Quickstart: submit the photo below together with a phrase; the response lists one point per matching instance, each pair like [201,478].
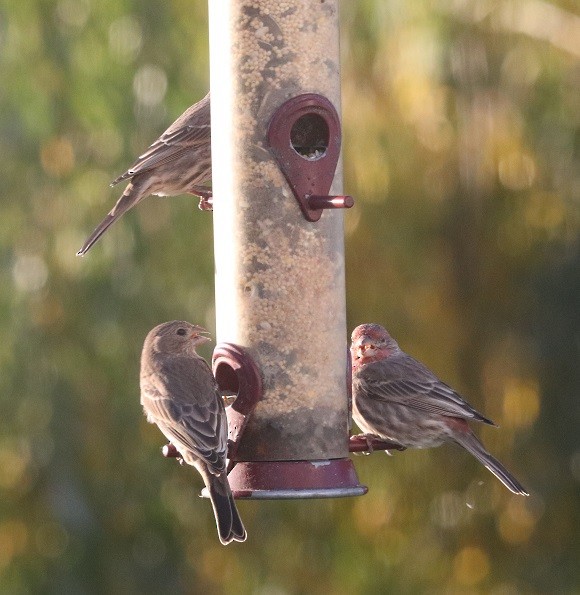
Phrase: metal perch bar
[358,443]
[364,443]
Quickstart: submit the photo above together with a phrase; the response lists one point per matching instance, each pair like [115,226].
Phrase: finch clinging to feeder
[181,396]
[178,162]
[396,397]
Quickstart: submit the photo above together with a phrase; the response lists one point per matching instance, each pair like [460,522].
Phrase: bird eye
[181,331]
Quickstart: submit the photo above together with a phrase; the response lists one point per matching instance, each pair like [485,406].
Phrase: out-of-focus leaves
[462,147]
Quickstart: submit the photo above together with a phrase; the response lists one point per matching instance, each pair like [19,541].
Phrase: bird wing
[182,398]
[406,381]
[184,135]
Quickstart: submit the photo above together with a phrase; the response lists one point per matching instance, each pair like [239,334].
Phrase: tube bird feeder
[279,246]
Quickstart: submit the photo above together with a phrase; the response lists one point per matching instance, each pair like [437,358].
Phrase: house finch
[178,162]
[180,395]
[395,397]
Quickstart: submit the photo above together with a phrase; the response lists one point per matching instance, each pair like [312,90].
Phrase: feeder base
[278,480]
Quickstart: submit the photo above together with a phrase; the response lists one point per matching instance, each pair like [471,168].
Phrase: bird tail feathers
[132,195]
[471,443]
[229,524]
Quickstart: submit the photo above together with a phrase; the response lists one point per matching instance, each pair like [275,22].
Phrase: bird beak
[364,345]
[198,335]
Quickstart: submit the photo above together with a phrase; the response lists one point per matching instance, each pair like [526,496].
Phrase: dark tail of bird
[229,524]
[471,443]
[132,195]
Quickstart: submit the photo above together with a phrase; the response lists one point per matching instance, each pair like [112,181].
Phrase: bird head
[371,342]
[177,337]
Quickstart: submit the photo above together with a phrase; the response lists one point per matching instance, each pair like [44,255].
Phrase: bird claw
[170,452]
[205,204]
[369,442]
[205,199]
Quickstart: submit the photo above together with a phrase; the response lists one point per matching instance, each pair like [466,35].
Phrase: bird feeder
[279,246]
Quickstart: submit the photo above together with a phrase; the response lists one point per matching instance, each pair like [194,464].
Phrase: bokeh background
[462,147]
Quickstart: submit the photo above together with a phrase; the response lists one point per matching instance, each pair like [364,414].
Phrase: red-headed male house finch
[178,162]
[395,397]
[181,396]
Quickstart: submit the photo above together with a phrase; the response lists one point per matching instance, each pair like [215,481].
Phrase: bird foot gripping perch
[205,199]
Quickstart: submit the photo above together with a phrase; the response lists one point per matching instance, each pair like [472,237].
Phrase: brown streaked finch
[178,162]
[179,394]
[395,397]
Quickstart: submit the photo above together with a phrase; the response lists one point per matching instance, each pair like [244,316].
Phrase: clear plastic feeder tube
[279,279]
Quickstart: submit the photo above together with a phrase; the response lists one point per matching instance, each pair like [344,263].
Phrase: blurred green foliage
[462,147]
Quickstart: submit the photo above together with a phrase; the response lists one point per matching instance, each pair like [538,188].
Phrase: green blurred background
[462,148]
